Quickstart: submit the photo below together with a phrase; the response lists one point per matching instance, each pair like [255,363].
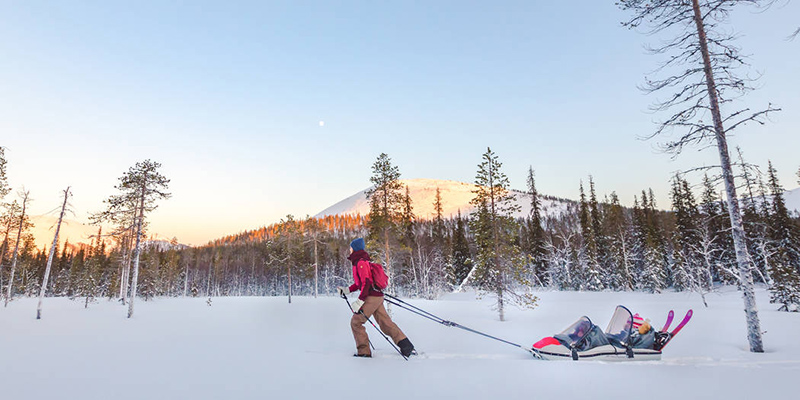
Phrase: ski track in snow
[261,348]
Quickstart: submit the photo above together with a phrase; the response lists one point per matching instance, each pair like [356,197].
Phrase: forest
[595,244]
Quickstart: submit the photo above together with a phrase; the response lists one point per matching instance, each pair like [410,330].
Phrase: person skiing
[369,303]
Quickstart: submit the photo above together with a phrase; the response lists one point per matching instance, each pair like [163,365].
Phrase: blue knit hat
[357,244]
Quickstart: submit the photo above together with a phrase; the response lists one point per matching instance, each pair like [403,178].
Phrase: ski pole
[351,310]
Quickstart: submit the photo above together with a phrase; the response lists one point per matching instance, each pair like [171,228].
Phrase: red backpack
[379,278]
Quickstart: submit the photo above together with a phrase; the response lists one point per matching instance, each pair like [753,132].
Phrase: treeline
[592,245]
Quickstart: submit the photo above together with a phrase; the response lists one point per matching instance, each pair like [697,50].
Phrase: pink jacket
[362,275]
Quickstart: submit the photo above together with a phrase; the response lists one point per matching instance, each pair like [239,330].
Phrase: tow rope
[416,310]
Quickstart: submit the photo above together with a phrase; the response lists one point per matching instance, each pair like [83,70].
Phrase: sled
[583,340]
[621,340]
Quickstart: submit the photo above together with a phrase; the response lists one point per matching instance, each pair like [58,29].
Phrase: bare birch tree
[706,60]
[53,249]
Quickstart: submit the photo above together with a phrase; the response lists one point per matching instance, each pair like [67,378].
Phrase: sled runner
[621,341]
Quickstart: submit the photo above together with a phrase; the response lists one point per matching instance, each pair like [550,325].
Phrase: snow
[455,197]
[261,348]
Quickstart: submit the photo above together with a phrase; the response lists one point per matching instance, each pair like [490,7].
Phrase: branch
[754,117]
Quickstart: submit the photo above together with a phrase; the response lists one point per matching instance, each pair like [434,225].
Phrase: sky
[229,96]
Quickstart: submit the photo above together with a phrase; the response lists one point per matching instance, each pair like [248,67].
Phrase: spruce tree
[599,239]
[386,202]
[597,224]
[499,267]
[785,263]
[687,261]
[407,219]
[438,229]
[590,267]
[535,241]
[651,257]
[580,273]
[620,246]
[754,217]
[460,259]
[443,269]
[405,257]
[718,251]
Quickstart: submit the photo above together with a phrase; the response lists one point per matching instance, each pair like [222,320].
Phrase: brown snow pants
[373,306]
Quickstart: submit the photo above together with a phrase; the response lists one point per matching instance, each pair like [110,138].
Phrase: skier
[369,303]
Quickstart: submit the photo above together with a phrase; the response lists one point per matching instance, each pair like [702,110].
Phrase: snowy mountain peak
[455,195]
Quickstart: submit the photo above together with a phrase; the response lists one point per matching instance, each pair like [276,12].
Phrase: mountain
[455,197]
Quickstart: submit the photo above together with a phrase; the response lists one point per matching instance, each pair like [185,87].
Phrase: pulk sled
[627,338]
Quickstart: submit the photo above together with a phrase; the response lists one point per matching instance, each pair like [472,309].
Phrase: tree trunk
[9,291]
[137,251]
[126,269]
[737,228]
[186,280]
[289,273]
[50,257]
[316,268]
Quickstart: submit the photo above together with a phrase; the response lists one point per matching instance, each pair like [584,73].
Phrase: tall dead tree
[53,248]
[23,224]
[139,188]
[707,62]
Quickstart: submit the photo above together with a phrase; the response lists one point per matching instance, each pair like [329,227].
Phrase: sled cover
[619,328]
[582,335]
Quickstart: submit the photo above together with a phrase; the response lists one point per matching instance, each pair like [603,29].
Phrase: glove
[343,291]
[357,305]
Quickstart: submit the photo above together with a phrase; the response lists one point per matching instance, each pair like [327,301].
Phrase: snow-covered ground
[264,348]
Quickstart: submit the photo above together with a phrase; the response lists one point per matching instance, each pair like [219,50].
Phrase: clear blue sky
[228,97]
